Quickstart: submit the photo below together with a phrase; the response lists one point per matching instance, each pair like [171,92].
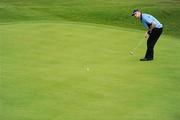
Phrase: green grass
[113,12]
[45,74]
[47,47]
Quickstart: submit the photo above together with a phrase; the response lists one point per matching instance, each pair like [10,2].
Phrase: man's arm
[153,25]
[150,23]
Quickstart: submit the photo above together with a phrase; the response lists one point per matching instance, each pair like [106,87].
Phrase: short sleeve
[148,19]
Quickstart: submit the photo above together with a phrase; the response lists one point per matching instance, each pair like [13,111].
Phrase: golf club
[135,48]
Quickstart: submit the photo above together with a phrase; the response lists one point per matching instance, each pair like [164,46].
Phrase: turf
[69,60]
[45,74]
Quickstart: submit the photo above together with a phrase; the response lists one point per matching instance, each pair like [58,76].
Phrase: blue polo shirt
[148,19]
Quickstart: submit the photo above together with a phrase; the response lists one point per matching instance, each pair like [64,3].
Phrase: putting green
[78,71]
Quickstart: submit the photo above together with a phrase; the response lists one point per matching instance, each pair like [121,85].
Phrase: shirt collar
[141,17]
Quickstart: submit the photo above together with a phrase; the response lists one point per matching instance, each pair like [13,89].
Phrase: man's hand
[146,35]
[153,25]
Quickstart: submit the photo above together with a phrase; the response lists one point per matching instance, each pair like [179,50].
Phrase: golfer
[154,30]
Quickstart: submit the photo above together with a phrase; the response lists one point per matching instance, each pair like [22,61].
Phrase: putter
[135,48]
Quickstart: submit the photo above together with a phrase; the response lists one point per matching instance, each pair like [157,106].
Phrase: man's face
[137,14]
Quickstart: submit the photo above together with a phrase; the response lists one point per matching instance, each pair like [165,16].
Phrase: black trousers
[154,36]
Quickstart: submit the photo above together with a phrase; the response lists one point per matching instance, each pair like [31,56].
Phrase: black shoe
[146,59]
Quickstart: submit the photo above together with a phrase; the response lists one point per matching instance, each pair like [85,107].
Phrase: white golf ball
[87,68]
[131,53]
